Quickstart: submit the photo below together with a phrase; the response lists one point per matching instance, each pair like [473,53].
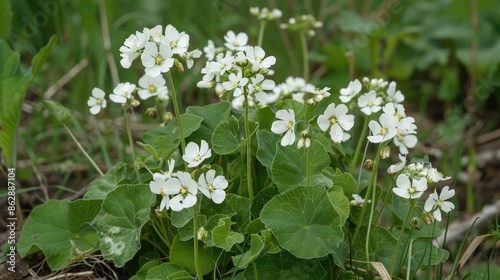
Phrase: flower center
[412,190]
[152,88]
[289,124]
[184,191]
[383,131]
[440,203]
[370,103]
[159,59]
[398,115]
[258,87]
[162,192]
[98,101]
[124,93]
[173,44]
[333,119]
[211,187]
[197,158]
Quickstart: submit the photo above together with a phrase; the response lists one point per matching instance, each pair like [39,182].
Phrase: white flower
[132,46]
[186,189]
[207,81]
[150,86]
[286,123]
[259,84]
[337,120]
[238,103]
[122,93]
[358,200]
[435,176]
[159,185]
[395,168]
[195,154]
[156,33]
[384,131]
[398,112]
[346,94]
[213,187]
[188,56]
[156,60]
[369,102]
[256,56]
[437,203]
[222,63]
[405,140]
[394,96]
[96,101]
[412,190]
[209,50]
[235,42]
[178,42]
[236,82]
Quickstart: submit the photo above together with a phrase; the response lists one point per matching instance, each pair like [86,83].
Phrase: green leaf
[161,142]
[229,135]
[340,202]
[54,225]
[290,164]
[182,254]
[58,111]
[267,147]
[223,237]
[119,174]
[382,245]
[345,181]
[212,116]
[14,84]
[40,58]
[304,221]
[190,123]
[5,18]
[168,271]
[256,246]
[261,199]
[284,266]
[124,212]
[143,272]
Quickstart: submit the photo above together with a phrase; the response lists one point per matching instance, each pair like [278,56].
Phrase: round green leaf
[182,254]
[167,271]
[304,221]
[124,212]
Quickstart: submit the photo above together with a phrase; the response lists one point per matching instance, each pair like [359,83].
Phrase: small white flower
[395,168]
[437,203]
[235,42]
[132,46]
[207,81]
[150,87]
[159,185]
[256,56]
[156,33]
[238,103]
[188,56]
[178,42]
[384,131]
[394,96]
[259,84]
[412,190]
[222,64]
[369,102]
[398,112]
[122,93]
[213,187]
[236,82]
[209,50]
[96,101]
[195,154]
[186,189]
[435,176]
[157,59]
[405,140]
[286,123]
[346,94]
[358,200]
[337,120]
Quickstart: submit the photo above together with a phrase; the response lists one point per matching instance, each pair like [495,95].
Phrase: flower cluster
[306,23]
[179,189]
[299,90]
[265,13]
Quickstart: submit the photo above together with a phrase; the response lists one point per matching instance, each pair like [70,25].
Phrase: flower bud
[179,66]
[151,112]
[385,152]
[415,223]
[167,117]
[427,217]
[368,164]
[202,233]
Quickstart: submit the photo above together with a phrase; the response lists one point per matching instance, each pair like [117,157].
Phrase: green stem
[305,55]
[255,273]
[160,110]
[195,238]
[83,150]
[408,269]
[308,164]
[360,144]
[373,186]
[155,245]
[261,32]
[249,150]
[102,144]
[131,143]
[177,114]
[368,192]
[386,199]
[398,244]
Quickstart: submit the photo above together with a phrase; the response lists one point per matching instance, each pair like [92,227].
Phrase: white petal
[218,196]
[446,193]
[401,192]
[94,110]
[288,138]
[403,182]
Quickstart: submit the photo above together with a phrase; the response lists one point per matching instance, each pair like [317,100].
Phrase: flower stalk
[176,111]
[248,149]
[83,151]
[131,141]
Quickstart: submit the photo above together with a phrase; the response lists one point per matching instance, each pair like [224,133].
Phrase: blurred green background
[443,54]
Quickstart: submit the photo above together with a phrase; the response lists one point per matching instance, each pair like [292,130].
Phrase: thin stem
[386,199]
[155,245]
[195,238]
[398,244]
[373,185]
[83,151]
[131,143]
[408,269]
[249,150]
[107,42]
[102,144]
[261,32]
[176,111]
[308,164]
[360,144]
[305,55]
[255,273]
